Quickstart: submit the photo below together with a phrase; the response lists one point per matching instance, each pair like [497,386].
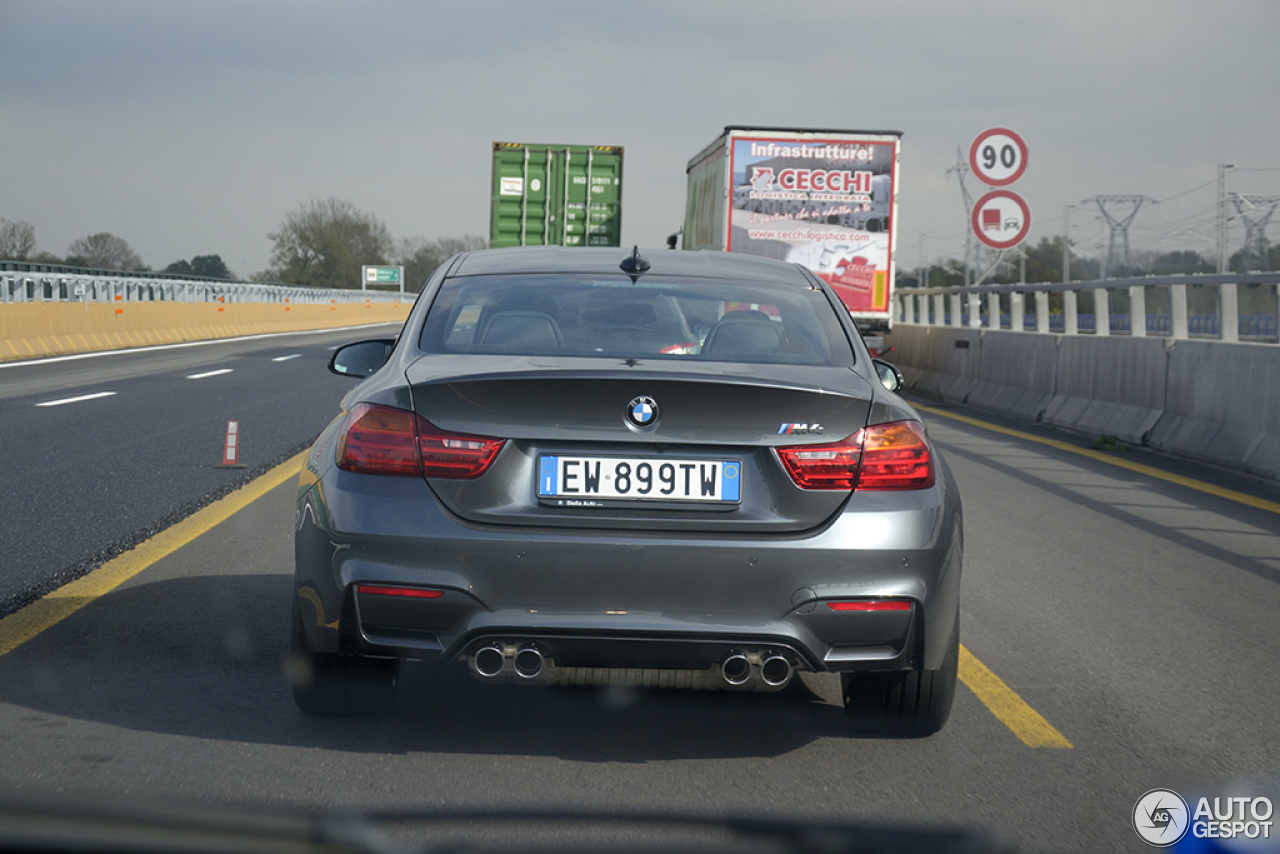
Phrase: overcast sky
[192,128]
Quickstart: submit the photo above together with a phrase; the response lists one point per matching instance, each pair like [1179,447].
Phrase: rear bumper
[593,598]
[645,642]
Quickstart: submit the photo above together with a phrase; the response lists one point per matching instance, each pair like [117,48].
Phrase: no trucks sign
[1001,219]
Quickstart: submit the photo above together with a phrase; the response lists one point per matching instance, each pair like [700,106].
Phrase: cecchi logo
[1161,817]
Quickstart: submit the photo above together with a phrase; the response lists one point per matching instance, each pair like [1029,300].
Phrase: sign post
[372,275]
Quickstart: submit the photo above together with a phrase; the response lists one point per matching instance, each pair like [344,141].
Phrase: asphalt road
[88,477]
[1137,616]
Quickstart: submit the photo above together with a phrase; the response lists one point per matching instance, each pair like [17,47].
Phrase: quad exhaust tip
[736,669]
[775,671]
[751,669]
[768,668]
[528,662]
[489,661]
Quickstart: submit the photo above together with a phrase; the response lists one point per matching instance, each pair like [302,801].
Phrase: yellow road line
[1011,710]
[1190,483]
[46,612]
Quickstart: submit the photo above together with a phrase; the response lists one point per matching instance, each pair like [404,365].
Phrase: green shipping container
[562,195]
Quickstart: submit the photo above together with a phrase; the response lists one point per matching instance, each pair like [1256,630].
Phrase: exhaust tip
[775,671]
[736,669]
[489,661]
[528,662]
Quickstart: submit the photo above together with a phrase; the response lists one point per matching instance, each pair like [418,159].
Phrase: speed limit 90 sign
[998,156]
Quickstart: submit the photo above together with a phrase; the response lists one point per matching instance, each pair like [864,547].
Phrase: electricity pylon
[1120,225]
[1255,212]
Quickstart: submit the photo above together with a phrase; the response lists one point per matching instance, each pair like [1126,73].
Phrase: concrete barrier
[1207,400]
[935,363]
[1223,405]
[1109,386]
[29,330]
[1016,373]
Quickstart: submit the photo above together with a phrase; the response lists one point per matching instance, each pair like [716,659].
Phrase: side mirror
[890,377]
[361,358]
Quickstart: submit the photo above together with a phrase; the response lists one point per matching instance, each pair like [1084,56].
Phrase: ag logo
[1160,817]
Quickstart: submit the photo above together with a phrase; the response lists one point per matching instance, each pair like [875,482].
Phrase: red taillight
[453,455]
[832,466]
[686,348]
[871,605]
[408,592]
[383,440]
[378,440]
[885,456]
[895,456]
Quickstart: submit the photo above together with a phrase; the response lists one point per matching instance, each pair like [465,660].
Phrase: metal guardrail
[71,269]
[963,306]
[24,286]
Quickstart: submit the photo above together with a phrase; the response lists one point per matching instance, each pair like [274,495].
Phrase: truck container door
[556,195]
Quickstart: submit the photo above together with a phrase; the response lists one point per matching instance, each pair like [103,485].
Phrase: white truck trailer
[826,199]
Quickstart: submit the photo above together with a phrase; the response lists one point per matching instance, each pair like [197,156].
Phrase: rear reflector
[384,440]
[408,592]
[871,605]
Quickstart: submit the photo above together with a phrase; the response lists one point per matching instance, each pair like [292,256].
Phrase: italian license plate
[590,479]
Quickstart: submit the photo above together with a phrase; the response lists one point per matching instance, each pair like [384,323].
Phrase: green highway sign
[373,275]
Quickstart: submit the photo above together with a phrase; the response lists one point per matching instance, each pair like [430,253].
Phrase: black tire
[903,703]
[328,685]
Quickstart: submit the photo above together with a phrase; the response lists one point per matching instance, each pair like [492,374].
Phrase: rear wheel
[329,685]
[906,703]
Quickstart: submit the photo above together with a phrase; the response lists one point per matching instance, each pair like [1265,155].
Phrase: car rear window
[654,318]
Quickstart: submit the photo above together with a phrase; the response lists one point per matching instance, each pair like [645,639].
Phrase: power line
[1188,192]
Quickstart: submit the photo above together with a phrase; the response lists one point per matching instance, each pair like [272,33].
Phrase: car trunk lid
[705,416]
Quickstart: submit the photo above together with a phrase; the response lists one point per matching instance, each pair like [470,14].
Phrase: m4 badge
[799,429]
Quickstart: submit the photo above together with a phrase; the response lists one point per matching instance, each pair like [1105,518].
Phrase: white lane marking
[77,356]
[210,374]
[77,399]
[286,358]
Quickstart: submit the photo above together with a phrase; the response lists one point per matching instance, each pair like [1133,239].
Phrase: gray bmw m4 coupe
[582,466]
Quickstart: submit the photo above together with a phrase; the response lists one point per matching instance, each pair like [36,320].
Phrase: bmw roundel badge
[642,412]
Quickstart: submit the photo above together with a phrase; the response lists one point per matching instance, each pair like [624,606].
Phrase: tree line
[101,251]
[322,244]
